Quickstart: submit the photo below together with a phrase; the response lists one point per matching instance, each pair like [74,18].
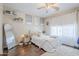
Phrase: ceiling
[31,8]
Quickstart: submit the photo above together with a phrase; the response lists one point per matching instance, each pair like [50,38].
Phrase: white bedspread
[53,46]
[63,51]
[47,43]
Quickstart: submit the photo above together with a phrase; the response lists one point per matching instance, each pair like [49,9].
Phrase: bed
[53,47]
[48,43]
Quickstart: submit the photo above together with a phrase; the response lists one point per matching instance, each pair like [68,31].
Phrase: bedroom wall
[64,19]
[1,15]
[78,22]
[20,28]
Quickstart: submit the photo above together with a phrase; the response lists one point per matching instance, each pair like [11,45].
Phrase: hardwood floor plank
[29,50]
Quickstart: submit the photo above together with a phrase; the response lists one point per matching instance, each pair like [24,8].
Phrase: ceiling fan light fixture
[50,6]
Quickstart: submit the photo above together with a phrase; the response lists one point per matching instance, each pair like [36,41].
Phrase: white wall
[1,10]
[35,26]
[78,22]
[64,19]
[20,28]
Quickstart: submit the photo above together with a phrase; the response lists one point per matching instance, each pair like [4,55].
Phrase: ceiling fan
[49,5]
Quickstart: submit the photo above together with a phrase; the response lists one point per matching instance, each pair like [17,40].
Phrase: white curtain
[63,31]
[64,26]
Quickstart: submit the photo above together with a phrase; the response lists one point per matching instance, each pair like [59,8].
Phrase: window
[54,31]
[68,30]
[59,30]
[41,21]
[64,30]
[28,19]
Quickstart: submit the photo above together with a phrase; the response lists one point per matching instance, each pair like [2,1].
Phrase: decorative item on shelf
[18,19]
[9,12]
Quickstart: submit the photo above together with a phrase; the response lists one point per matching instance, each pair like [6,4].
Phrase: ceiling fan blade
[57,8]
[51,4]
[41,7]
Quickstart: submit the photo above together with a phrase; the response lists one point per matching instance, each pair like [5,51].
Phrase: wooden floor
[30,50]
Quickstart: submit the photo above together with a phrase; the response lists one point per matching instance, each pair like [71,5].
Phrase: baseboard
[71,46]
[13,47]
[34,44]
